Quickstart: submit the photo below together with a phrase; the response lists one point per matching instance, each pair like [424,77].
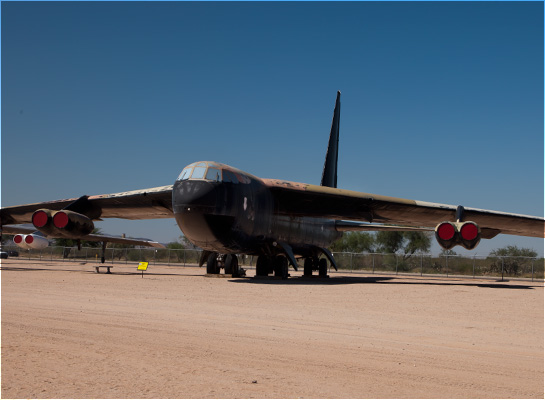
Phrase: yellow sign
[143,266]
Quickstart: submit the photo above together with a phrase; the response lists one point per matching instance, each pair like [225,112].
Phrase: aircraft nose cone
[200,196]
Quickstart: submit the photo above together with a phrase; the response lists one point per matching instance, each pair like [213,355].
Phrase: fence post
[533,269]
[446,263]
[421,264]
[373,257]
[474,266]
[395,255]
[502,269]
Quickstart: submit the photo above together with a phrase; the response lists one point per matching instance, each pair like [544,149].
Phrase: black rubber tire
[231,265]
[262,265]
[212,264]
[308,267]
[281,266]
[322,267]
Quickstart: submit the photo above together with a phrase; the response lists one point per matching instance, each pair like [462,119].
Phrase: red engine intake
[19,240]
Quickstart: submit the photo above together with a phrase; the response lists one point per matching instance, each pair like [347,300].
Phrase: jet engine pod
[470,234]
[450,234]
[42,220]
[36,242]
[30,241]
[446,235]
[64,223]
[71,224]
[19,240]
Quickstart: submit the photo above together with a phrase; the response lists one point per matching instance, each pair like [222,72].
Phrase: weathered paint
[242,218]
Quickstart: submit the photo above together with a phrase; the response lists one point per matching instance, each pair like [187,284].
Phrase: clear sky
[441,102]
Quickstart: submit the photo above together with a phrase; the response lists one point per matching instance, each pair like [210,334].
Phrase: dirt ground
[68,332]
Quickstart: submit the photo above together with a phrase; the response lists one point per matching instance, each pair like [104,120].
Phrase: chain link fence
[426,264]
[422,264]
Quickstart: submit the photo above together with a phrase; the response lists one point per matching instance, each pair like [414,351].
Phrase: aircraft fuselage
[241,217]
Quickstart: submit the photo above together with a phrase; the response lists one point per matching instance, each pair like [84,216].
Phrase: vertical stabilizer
[329,175]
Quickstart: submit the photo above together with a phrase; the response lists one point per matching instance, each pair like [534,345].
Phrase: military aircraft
[29,238]
[227,212]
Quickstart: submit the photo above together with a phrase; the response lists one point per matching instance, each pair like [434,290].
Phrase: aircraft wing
[138,204]
[300,199]
[26,230]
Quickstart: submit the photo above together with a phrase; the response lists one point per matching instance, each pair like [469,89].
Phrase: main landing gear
[229,262]
[266,265]
[315,264]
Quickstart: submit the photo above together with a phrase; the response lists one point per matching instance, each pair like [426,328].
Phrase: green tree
[6,239]
[512,261]
[513,251]
[175,246]
[408,242]
[354,242]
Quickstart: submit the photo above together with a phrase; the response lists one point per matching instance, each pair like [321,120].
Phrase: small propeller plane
[228,212]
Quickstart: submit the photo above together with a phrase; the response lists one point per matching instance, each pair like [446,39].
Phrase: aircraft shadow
[373,280]
[80,271]
[299,280]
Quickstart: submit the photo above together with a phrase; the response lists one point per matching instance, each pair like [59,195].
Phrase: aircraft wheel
[322,267]
[308,266]
[231,265]
[212,264]
[262,265]
[281,266]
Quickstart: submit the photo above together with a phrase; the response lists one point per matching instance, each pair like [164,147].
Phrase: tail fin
[329,175]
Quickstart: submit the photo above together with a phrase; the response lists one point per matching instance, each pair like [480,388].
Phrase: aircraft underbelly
[241,218]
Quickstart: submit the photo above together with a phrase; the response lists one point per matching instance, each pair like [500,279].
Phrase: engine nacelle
[43,221]
[450,234]
[19,240]
[66,224]
[31,241]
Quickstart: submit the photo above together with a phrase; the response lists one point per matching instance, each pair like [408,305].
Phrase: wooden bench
[104,266]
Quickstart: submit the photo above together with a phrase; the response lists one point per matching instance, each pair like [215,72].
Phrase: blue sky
[441,102]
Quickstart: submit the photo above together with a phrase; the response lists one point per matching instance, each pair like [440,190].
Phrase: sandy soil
[68,332]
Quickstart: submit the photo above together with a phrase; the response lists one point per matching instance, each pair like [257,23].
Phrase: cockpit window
[198,172]
[185,173]
[213,174]
[228,176]
[211,171]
